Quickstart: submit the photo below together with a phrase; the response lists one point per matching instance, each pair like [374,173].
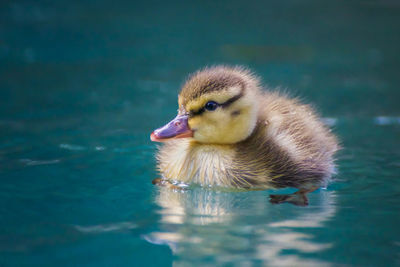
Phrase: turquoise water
[83,83]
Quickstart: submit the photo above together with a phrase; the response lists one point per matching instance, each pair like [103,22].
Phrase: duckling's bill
[177,128]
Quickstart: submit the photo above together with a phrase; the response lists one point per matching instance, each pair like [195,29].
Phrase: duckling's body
[245,138]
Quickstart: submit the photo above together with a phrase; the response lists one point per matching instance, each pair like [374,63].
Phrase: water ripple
[383,120]
[106,228]
[29,162]
[72,147]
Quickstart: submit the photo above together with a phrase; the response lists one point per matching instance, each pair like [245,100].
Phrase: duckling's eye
[211,105]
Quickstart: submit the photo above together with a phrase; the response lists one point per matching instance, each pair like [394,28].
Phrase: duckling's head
[217,105]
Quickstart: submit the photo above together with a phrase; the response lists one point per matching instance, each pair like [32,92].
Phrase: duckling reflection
[231,227]
[199,206]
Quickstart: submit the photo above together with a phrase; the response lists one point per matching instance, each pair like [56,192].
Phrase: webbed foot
[166,183]
[298,199]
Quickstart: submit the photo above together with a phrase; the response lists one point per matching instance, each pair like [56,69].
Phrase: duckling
[230,133]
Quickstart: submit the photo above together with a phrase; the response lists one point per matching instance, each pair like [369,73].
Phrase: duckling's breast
[189,162]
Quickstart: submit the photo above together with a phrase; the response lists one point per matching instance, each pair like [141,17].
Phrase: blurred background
[83,83]
[67,58]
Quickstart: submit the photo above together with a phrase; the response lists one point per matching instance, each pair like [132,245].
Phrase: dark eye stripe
[227,103]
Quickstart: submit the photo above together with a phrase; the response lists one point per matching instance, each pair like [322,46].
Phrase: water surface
[82,84]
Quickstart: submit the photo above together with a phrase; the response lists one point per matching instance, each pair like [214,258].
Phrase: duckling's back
[289,147]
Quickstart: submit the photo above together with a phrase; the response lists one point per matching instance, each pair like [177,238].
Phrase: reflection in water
[225,227]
